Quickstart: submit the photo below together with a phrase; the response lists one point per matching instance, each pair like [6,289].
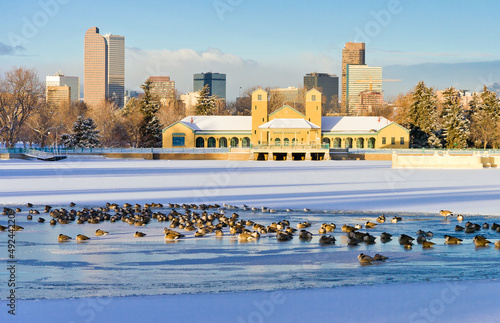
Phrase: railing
[97,151]
[292,147]
[421,151]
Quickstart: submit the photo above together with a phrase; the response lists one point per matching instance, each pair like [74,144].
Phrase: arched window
[222,142]
[211,142]
[245,143]
[371,143]
[286,142]
[234,142]
[294,142]
[360,143]
[348,143]
[277,142]
[326,141]
[337,143]
[200,142]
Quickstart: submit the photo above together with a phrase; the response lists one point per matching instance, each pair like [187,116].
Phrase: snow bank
[473,301]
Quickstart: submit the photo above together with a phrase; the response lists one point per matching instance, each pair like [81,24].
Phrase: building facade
[352,54]
[58,95]
[285,129]
[104,71]
[190,100]
[216,83]
[327,84]
[162,87]
[361,78]
[59,79]
[289,94]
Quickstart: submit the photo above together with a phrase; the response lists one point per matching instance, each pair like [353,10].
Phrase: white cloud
[181,64]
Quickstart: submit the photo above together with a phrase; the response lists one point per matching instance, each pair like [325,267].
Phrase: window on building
[384,141]
[178,141]
[313,97]
[262,119]
[393,140]
[259,97]
[402,140]
[255,107]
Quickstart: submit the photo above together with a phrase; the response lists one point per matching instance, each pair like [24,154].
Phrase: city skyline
[398,35]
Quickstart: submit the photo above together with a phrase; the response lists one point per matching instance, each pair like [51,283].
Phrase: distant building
[58,94]
[216,83]
[190,100]
[104,73]
[361,78]
[129,95]
[466,97]
[290,94]
[327,84]
[352,54]
[59,79]
[369,100]
[162,87]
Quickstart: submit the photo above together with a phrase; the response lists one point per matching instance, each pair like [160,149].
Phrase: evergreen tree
[84,134]
[207,104]
[455,124]
[150,127]
[484,115]
[423,119]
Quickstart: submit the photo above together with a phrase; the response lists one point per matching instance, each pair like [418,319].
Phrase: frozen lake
[351,192]
[119,264]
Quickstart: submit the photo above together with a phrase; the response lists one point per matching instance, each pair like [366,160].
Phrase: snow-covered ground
[334,185]
[331,185]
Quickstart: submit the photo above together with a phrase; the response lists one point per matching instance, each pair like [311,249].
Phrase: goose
[62,238]
[100,232]
[379,257]
[480,241]
[452,240]
[81,237]
[327,239]
[365,259]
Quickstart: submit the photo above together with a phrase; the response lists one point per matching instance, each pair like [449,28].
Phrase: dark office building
[216,83]
[327,84]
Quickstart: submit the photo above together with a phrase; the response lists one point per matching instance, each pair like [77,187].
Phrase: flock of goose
[204,219]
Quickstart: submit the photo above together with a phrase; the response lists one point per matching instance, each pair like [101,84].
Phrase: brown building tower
[352,54]
[95,72]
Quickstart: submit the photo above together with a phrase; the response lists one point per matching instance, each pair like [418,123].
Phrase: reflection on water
[120,265]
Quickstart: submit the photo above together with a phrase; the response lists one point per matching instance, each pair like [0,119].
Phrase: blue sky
[267,43]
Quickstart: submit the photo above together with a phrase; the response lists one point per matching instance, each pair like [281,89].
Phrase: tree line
[447,122]
[26,116]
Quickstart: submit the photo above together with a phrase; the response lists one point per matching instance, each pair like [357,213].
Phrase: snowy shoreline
[416,302]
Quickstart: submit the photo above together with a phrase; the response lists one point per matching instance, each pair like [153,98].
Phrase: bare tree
[20,94]
[42,121]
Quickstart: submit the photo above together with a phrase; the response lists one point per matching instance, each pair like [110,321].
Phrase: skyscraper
[352,54]
[327,84]
[215,81]
[104,75]
[362,81]
[116,68]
